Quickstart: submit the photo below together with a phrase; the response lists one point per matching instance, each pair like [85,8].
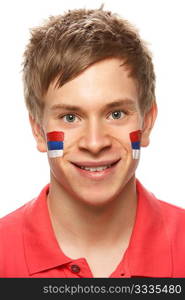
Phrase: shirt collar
[148,253]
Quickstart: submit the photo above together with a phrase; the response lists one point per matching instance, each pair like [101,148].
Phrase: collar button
[75,268]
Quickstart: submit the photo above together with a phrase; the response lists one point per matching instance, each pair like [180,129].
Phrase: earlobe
[38,134]
[148,123]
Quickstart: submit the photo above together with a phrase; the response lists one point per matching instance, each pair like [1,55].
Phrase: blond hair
[65,45]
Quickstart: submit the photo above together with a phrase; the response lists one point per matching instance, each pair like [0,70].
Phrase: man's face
[96,111]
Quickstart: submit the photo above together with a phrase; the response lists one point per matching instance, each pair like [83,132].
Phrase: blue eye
[117,114]
[69,118]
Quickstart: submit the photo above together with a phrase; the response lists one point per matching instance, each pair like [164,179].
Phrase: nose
[95,138]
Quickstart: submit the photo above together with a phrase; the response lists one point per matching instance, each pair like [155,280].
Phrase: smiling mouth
[96,169]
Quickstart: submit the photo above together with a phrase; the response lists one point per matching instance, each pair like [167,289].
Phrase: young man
[90,92]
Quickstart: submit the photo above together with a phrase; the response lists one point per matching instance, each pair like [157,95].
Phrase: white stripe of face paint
[55,153]
[135,153]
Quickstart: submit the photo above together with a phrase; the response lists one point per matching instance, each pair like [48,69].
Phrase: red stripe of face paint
[135,136]
[55,136]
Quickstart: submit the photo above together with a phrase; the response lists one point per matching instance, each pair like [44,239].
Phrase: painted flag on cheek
[55,143]
[135,138]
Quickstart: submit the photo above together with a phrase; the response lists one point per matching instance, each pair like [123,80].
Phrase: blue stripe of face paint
[135,145]
[55,145]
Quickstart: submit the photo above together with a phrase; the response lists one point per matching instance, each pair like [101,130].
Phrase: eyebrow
[130,104]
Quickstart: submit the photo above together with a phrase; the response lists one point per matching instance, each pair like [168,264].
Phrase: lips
[96,164]
[92,173]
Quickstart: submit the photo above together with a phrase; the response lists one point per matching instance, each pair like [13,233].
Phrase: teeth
[95,169]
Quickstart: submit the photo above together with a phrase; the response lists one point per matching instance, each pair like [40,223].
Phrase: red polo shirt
[28,247]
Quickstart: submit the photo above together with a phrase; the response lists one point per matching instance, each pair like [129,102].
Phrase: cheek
[55,144]
[135,139]
[130,142]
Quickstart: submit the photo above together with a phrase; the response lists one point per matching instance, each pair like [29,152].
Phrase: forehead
[100,84]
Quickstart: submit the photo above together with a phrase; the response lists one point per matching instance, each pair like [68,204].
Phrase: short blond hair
[65,45]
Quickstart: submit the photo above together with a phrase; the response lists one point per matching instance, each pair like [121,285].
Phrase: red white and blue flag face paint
[55,143]
[135,138]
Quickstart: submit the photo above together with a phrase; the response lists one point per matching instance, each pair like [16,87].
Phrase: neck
[90,227]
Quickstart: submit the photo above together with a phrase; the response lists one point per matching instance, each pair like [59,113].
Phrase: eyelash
[73,114]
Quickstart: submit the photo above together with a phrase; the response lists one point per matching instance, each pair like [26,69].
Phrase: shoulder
[174,223]
[16,217]
[12,221]
[173,214]
[169,219]
[170,213]
[12,242]
[173,217]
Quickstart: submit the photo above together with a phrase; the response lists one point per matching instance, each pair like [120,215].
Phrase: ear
[38,134]
[148,123]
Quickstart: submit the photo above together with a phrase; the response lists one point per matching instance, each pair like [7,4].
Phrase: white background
[24,171]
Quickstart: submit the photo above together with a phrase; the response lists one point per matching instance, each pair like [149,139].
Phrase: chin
[96,197]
